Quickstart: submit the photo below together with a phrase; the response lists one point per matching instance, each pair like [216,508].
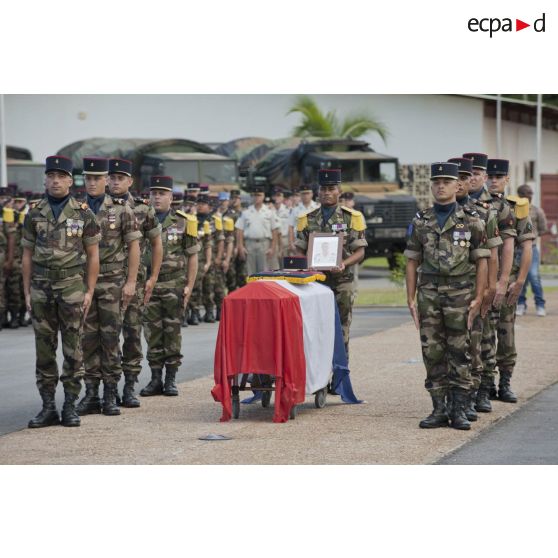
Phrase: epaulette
[21,217]
[496,195]
[357,219]
[141,200]
[228,224]
[520,205]
[470,211]
[8,215]
[206,227]
[119,201]
[302,221]
[191,223]
[480,203]
[218,222]
[84,206]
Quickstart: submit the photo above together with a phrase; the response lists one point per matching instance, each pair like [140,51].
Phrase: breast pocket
[42,229]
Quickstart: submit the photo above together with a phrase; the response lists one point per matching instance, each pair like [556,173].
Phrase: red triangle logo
[519,25]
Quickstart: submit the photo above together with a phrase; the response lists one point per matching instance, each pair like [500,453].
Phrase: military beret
[161,183]
[479,159]
[465,165]
[329,177]
[444,170]
[120,166]
[95,165]
[498,167]
[59,163]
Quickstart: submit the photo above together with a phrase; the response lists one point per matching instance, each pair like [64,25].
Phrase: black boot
[110,407]
[14,320]
[48,415]
[155,386]
[492,393]
[4,320]
[504,390]
[185,319]
[470,411]
[22,321]
[91,403]
[439,416]
[458,418]
[129,398]
[170,381]
[483,404]
[209,318]
[194,317]
[218,315]
[69,413]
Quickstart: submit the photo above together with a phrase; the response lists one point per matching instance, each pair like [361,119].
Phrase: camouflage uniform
[162,314]
[7,228]
[447,259]
[14,281]
[101,340]
[150,228]
[57,288]
[236,276]
[352,226]
[213,288]
[205,237]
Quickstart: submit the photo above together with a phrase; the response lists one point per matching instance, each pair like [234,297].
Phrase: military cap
[444,170]
[120,166]
[204,199]
[29,194]
[257,190]
[224,196]
[235,193]
[329,177]
[193,187]
[177,198]
[287,193]
[465,165]
[347,196]
[479,159]
[95,165]
[161,183]
[190,198]
[204,188]
[295,262]
[306,188]
[498,167]
[59,163]
[20,197]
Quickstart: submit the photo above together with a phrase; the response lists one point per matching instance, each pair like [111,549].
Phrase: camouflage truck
[371,176]
[24,174]
[184,160]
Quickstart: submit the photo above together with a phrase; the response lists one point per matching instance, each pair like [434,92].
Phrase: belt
[105,268]
[444,279]
[57,274]
[164,277]
[258,239]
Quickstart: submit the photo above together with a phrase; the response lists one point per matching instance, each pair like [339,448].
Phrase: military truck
[184,160]
[371,176]
[24,174]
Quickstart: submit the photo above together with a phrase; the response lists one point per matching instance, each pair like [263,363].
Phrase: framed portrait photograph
[325,251]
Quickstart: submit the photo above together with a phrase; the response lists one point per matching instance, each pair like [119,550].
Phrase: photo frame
[325,251]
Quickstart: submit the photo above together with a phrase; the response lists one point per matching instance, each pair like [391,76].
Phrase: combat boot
[22,321]
[194,317]
[4,320]
[110,407]
[470,410]
[170,381]
[48,415]
[209,318]
[155,386]
[91,403]
[492,393]
[14,320]
[218,315]
[439,416]
[483,404]
[458,418]
[504,390]
[129,398]
[69,413]
[185,318]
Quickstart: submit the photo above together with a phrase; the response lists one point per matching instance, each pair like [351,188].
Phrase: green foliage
[397,274]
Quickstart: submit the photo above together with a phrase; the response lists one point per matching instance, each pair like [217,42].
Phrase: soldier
[498,174]
[120,182]
[447,242]
[257,232]
[493,241]
[7,248]
[60,246]
[350,224]
[236,275]
[224,267]
[119,253]
[305,205]
[162,315]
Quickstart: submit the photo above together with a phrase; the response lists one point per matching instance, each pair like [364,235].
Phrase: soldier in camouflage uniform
[488,217]
[236,273]
[7,248]
[162,315]
[448,242]
[116,286]
[120,182]
[60,246]
[213,289]
[498,174]
[334,218]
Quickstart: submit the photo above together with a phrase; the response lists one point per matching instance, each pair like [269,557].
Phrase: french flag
[288,331]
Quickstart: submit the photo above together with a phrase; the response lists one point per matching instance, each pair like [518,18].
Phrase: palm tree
[315,123]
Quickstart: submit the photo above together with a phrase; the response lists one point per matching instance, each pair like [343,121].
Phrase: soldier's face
[258,198]
[236,202]
[58,183]
[161,200]
[497,184]
[119,184]
[203,208]
[444,189]
[224,205]
[306,197]
[463,185]
[478,180]
[329,195]
[96,184]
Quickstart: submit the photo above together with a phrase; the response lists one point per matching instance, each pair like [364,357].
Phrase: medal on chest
[111,218]
[339,227]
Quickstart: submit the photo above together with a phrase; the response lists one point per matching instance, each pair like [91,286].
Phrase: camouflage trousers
[344,297]
[101,338]
[476,348]
[236,275]
[2,287]
[444,336]
[161,326]
[220,287]
[132,353]
[488,348]
[506,354]
[196,300]
[208,288]
[15,301]
[57,306]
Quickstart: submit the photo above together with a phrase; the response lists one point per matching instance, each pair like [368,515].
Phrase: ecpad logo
[494,24]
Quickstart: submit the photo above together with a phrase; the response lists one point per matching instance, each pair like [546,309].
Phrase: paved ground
[387,372]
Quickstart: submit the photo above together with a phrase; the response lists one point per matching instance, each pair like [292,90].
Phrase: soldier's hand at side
[499,296]
[414,314]
[86,303]
[205,267]
[28,302]
[242,253]
[149,285]
[225,266]
[269,252]
[487,301]
[514,290]
[338,269]
[474,309]
[186,294]
[128,293]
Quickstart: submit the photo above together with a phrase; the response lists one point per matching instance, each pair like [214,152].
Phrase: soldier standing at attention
[229,236]
[305,205]
[445,244]
[236,275]
[60,246]
[506,355]
[163,312]
[120,182]
[7,248]
[17,301]
[334,218]
[119,253]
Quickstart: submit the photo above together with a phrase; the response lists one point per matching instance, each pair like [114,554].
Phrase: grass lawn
[376,262]
[549,269]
